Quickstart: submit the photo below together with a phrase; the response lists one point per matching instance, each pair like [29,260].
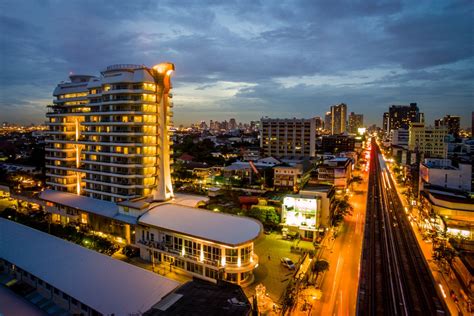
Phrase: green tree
[341,208]
[319,266]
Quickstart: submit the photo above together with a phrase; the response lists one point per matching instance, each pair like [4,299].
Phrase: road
[395,277]
[340,283]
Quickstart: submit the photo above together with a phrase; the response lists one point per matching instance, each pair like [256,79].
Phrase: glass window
[231,255]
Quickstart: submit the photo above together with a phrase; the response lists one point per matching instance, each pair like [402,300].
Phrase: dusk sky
[248,59]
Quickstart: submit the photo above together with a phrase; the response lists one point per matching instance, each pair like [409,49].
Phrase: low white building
[198,242]
[76,279]
[441,172]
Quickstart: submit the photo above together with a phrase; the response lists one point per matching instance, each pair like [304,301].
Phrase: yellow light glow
[223,261]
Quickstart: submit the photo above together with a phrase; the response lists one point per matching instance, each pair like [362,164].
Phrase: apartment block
[338,118]
[109,135]
[288,137]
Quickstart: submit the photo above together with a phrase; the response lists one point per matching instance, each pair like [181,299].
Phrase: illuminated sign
[301,212]
[361,130]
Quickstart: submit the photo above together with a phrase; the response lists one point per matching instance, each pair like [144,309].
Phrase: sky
[248,59]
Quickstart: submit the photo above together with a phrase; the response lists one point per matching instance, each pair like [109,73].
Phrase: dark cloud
[366,53]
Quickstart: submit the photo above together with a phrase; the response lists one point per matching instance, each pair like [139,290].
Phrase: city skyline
[257,59]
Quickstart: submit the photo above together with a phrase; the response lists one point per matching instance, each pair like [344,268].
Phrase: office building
[355,122]
[109,135]
[452,124]
[338,118]
[428,141]
[400,116]
[399,137]
[288,137]
[319,123]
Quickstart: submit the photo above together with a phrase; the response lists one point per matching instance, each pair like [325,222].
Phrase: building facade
[337,172]
[338,118]
[428,141]
[356,121]
[109,135]
[400,116]
[441,173]
[337,143]
[452,124]
[206,245]
[288,137]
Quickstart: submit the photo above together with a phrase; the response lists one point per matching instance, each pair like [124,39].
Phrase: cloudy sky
[248,59]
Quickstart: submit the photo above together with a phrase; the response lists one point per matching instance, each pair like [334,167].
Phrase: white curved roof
[221,228]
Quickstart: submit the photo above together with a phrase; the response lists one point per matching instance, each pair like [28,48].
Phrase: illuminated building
[207,244]
[338,118]
[442,173]
[288,137]
[355,122]
[400,116]
[451,122]
[109,135]
[327,121]
[308,212]
[429,141]
[337,143]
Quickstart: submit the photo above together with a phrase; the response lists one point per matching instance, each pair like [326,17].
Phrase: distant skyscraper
[400,116]
[338,118]
[288,137]
[452,123]
[232,123]
[355,121]
[109,135]
[327,121]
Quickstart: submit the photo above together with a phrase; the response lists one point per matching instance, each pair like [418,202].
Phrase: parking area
[270,272]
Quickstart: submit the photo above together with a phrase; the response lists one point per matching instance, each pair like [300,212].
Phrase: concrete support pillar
[127,234]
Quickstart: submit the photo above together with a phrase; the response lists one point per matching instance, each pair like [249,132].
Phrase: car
[286,262]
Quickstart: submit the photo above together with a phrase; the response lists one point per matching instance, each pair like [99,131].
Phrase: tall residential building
[355,121]
[429,141]
[452,123]
[400,116]
[109,135]
[288,137]
[327,121]
[338,118]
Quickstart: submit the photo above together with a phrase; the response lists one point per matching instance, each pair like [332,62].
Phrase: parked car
[286,262]
[130,251]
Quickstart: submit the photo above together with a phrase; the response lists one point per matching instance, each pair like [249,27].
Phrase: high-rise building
[109,135]
[355,121]
[452,123]
[288,137]
[386,119]
[400,116]
[338,118]
[327,121]
[319,122]
[232,123]
[428,141]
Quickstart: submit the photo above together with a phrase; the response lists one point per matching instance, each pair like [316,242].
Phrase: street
[340,283]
